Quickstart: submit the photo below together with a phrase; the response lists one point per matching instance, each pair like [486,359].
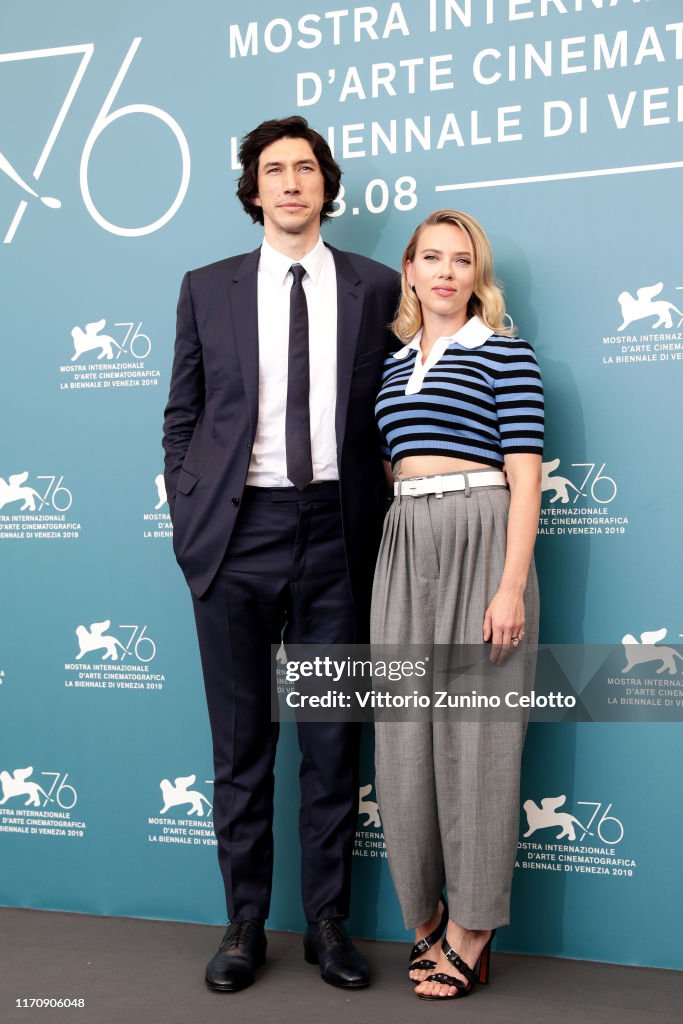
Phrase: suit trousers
[284,576]
[448,789]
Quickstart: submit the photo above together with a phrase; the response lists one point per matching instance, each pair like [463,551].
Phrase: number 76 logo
[106,117]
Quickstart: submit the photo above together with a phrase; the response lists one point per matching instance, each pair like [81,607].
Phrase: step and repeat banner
[558,124]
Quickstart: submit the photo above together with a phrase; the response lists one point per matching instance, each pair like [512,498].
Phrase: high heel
[478,975]
[485,962]
[425,944]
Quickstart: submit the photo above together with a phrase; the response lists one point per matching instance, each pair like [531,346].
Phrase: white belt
[440,485]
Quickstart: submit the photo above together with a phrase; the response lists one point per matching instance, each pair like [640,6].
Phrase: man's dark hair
[255,142]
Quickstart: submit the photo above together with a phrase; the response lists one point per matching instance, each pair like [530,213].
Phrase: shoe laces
[238,933]
[332,931]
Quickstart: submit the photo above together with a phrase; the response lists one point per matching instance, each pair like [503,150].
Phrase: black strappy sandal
[480,974]
[425,944]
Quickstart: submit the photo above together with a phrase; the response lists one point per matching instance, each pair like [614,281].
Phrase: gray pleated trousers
[448,791]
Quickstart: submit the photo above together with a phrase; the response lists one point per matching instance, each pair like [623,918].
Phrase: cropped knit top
[478,397]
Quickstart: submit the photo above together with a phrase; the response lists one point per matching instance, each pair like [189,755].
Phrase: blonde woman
[459,403]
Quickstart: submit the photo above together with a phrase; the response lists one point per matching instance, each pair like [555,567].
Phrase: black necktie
[297,422]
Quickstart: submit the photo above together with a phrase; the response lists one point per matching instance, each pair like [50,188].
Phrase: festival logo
[113,658]
[646,652]
[646,306]
[35,508]
[548,816]
[191,822]
[643,677]
[40,805]
[178,793]
[607,828]
[94,638]
[15,489]
[369,837]
[581,840]
[90,339]
[638,679]
[650,326]
[19,784]
[156,525]
[578,500]
[41,62]
[102,358]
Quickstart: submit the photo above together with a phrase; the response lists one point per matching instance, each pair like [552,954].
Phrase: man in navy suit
[275,487]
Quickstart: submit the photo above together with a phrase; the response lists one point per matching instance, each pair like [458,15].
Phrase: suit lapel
[244,311]
[350,298]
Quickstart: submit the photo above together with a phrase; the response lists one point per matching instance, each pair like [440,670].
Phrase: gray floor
[131,971]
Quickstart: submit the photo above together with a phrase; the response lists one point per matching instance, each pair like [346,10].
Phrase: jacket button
[235,501]
[249,446]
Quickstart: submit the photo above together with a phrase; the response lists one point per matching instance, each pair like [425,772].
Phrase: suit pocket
[186,481]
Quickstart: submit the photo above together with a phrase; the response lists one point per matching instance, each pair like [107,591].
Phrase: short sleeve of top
[478,403]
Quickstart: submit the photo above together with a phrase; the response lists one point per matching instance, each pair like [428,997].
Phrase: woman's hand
[504,623]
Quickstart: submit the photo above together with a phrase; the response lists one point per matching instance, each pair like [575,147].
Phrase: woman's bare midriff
[431,465]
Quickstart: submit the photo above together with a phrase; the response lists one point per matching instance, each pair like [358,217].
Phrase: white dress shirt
[268,465]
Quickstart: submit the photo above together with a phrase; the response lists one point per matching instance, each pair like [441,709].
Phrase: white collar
[279,265]
[473,334]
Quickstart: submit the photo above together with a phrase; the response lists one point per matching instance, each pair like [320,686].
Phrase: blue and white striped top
[478,396]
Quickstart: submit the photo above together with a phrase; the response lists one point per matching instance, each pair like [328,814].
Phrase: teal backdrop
[558,124]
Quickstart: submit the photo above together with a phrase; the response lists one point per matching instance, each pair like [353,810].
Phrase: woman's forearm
[524,477]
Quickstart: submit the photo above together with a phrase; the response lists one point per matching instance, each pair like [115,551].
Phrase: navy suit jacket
[212,411]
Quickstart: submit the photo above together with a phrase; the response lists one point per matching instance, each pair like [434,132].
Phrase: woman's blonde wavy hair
[487,300]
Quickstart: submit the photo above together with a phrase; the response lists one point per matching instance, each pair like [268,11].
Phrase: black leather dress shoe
[242,950]
[328,943]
